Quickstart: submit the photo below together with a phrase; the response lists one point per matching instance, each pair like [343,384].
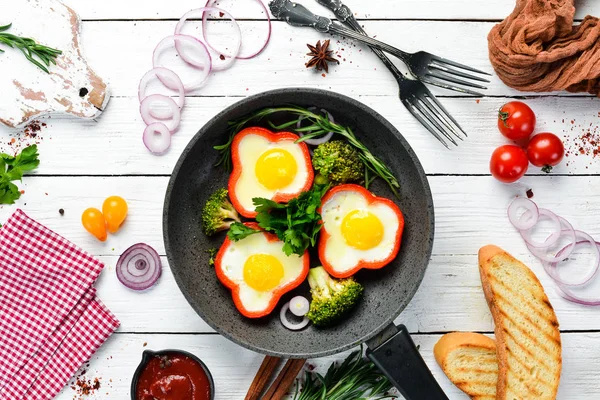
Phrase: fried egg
[360,230]
[268,165]
[258,272]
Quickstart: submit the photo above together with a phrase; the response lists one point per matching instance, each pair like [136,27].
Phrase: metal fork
[424,66]
[414,95]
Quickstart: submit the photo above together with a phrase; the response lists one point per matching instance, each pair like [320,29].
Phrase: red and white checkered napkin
[50,319]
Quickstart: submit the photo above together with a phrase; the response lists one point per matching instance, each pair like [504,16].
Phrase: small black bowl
[148,355]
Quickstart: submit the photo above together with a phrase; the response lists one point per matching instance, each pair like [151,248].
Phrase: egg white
[235,257]
[250,148]
[339,254]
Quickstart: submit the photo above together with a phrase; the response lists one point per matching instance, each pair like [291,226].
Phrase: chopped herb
[212,253]
[12,168]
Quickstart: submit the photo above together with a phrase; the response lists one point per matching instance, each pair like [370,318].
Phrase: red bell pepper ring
[277,292]
[237,166]
[360,264]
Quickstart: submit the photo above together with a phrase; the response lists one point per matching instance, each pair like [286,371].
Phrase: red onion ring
[165,74]
[201,13]
[139,267]
[205,66]
[157,138]
[287,323]
[568,295]
[209,3]
[551,267]
[173,123]
[550,240]
[323,139]
[562,254]
[531,210]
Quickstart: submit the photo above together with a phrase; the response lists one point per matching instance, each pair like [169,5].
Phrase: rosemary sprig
[355,378]
[315,125]
[29,48]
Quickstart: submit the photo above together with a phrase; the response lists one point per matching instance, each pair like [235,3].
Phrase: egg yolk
[263,272]
[362,229]
[276,169]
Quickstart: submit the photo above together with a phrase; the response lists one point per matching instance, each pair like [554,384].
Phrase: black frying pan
[387,291]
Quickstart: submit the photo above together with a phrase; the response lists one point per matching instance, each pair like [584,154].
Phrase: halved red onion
[323,139]
[552,267]
[204,65]
[173,123]
[287,323]
[253,53]
[530,216]
[201,13]
[551,239]
[542,253]
[157,138]
[139,267]
[164,73]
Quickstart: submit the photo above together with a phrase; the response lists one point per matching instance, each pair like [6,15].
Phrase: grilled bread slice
[469,361]
[527,336]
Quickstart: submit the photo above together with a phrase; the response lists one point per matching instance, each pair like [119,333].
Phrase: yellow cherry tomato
[115,212]
[93,222]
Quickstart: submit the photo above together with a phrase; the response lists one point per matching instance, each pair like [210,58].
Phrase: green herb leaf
[239,231]
[296,223]
[29,48]
[12,169]
[315,125]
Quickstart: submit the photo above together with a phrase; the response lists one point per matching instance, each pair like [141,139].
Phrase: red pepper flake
[478,101]
[221,57]
[22,192]
[529,193]
[221,14]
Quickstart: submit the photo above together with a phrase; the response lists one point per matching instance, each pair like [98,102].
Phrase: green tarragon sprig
[30,48]
[315,125]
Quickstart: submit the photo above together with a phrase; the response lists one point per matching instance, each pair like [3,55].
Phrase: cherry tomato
[516,120]
[115,212]
[509,163]
[545,150]
[93,222]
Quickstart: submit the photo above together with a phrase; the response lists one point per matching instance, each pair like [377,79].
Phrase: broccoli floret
[332,298]
[337,162]
[218,213]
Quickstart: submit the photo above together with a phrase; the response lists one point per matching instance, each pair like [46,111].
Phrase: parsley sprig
[12,169]
[315,125]
[355,378]
[296,223]
[29,48]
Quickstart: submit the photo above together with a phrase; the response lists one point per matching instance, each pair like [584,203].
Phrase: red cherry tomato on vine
[545,150]
[509,163]
[516,120]
[93,222]
[115,212]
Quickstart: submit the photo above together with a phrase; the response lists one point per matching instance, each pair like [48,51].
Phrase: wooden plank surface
[375,9]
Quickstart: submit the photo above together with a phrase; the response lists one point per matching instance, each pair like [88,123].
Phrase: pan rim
[411,290]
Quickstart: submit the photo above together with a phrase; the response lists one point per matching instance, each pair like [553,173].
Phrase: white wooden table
[84,162]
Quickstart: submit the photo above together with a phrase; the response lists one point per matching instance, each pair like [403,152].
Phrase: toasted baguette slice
[469,361]
[527,336]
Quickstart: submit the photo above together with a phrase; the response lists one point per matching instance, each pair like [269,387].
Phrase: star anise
[321,55]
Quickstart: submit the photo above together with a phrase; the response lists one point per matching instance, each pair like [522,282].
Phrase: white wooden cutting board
[71,87]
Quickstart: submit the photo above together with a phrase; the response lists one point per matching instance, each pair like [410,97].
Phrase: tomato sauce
[173,377]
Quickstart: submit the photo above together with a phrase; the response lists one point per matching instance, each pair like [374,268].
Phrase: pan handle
[398,358]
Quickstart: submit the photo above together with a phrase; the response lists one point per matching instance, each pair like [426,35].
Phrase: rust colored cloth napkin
[50,319]
[537,48]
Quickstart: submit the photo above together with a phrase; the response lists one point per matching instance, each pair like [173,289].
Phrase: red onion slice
[299,306]
[287,323]
[139,267]
[201,13]
[323,139]
[551,268]
[542,253]
[157,138]
[163,73]
[209,3]
[528,219]
[204,66]
[568,295]
[173,123]
[550,240]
